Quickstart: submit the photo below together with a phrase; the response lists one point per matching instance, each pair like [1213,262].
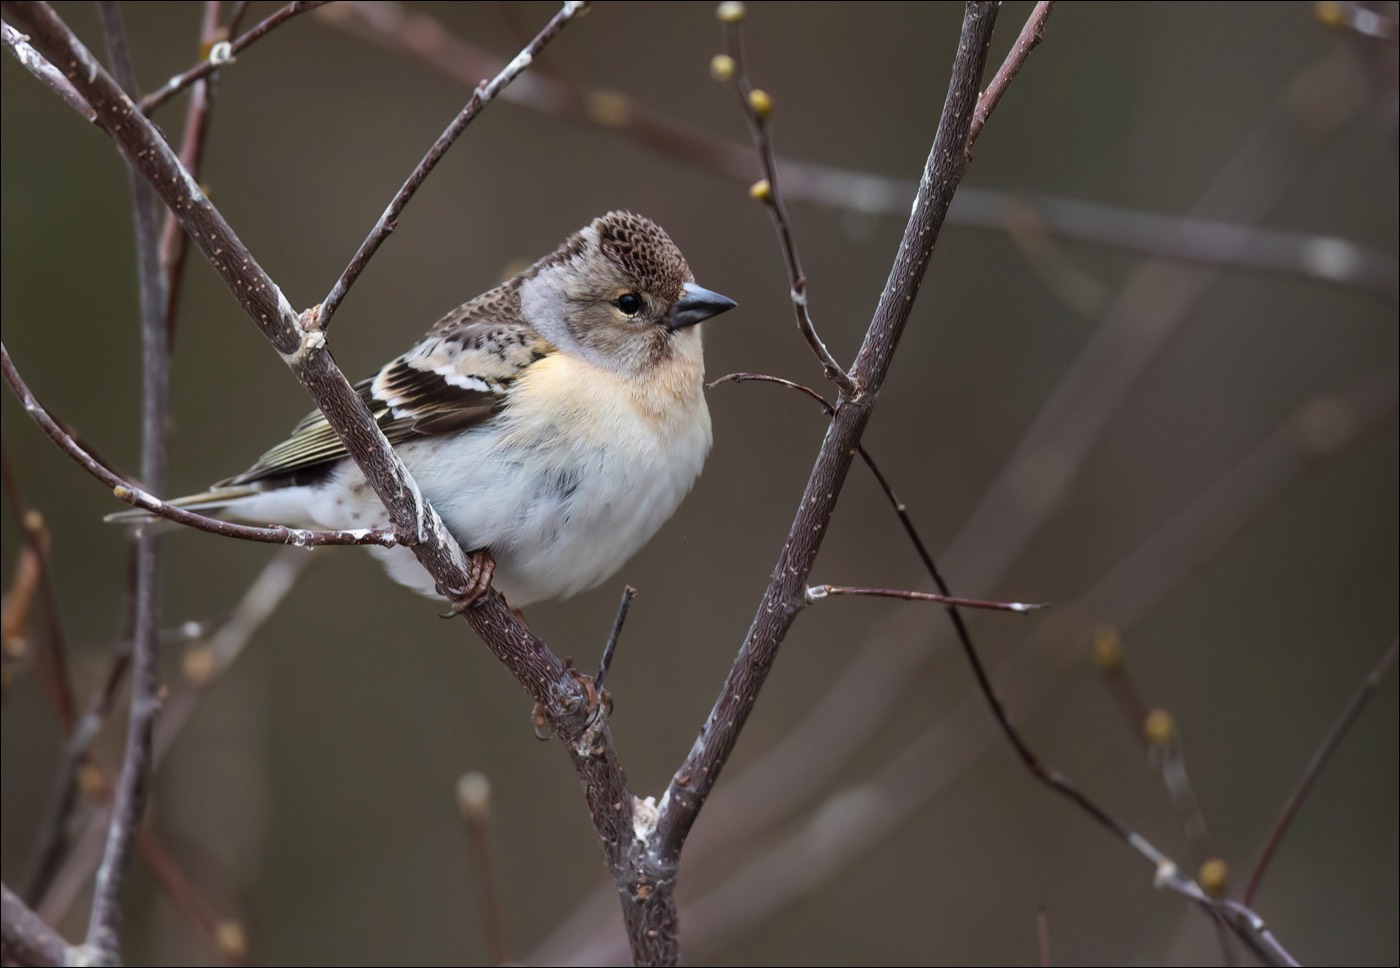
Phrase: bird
[554,422]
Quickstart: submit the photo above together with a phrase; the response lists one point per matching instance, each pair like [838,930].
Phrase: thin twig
[133,494]
[203,665]
[103,942]
[1027,41]
[174,243]
[816,593]
[628,593]
[1042,935]
[757,107]
[25,938]
[785,594]
[182,891]
[484,94]
[1319,760]
[218,58]
[53,659]
[474,802]
[1319,258]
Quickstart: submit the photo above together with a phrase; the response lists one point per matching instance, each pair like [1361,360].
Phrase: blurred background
[1201,455]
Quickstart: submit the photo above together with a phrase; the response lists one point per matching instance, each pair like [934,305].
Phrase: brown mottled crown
[643,250]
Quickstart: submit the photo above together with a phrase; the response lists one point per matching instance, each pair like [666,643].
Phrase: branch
[1319,258]
[53,660]
[133,494]
[1027,41]
[484,94]
[786,593]
[758,108]
[26,939]
[301,341]
[816,593]
[221,56]
[103,943]
[1330,742]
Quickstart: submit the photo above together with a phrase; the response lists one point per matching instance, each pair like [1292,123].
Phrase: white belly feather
[570,481]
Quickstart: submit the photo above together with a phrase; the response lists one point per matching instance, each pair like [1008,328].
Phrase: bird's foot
[480,569]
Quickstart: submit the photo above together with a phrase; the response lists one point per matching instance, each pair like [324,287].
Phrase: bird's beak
[695,306]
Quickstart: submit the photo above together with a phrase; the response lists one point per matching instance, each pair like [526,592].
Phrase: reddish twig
[217,58]
[174,243]
[1027,41]
[133,494]
[484,94]
[53,659]
[474,802]
[1319,760]
[757,107]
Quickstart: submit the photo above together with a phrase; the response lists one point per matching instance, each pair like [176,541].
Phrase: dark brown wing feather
[456,378]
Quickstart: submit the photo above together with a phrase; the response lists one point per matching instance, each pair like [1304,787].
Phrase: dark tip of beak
[695,306]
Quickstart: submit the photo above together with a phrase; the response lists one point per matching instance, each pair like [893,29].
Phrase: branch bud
[761,103]
[722,68]
[474,797]
[730,12]
[1214,877]
[1108,648]
[1159,728]
[761,191]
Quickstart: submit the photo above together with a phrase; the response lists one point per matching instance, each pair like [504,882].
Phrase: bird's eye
[629,302]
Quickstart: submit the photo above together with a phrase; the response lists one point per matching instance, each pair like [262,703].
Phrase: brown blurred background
[311,795]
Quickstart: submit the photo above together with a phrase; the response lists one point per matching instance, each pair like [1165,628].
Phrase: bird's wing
[458,376]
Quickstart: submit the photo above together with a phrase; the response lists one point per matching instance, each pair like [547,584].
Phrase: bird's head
[619,294]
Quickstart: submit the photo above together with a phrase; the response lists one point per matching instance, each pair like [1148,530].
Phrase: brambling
[555,421]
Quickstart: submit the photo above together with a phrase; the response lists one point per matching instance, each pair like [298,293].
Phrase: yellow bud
[608,108]
[730,12]
[474,797]
[1108,648]
[91,782]
[722,68]
[198,665]
[761,103]
[761,191]
[1328,13]
[33,521]
[1158,727]
[232,940]
[121,491]
[1214,877]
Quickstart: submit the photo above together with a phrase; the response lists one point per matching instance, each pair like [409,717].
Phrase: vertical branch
[103,942]
[785,594]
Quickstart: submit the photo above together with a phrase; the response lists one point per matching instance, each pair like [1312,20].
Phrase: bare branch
[133,494]
[1202,241]
[758,107]
[1319,761]
[53,659]
[474,802]
[218,58]
[786,593]
[1027,41]
[816,593]
[628,593]
[484,94]
[26,938]
[34,62]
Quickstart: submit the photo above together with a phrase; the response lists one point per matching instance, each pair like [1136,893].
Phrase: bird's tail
[213,500]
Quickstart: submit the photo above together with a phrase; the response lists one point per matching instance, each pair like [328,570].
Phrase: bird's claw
[480,571]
